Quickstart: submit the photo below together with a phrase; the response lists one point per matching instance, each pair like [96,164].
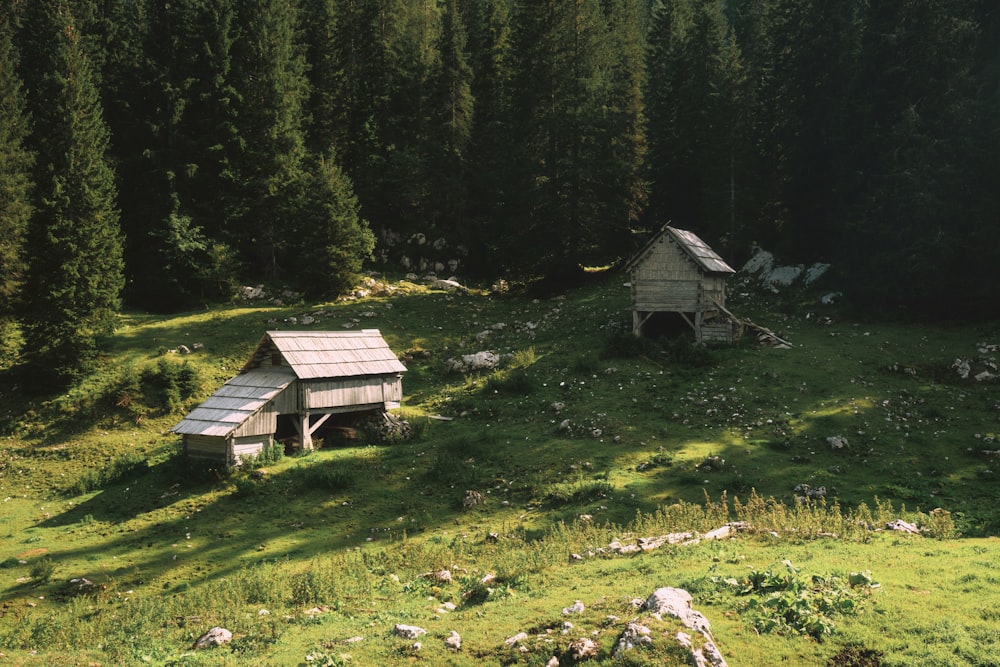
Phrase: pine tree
[75,278]
[695,131]
[269,75]
[331,240]
[490,180]
[451,117]
[15,179]
[567,215]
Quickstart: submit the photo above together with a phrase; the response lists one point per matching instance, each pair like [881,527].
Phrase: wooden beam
[319,422]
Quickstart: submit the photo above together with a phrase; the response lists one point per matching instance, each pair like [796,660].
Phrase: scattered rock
[837,442]
[582,649]
[473,498]
[903,527]
[215,637]
[576,608]
[408,631]
[440,576]
[480,361]
[516,639]
[448,286]
[453,641]
[633,635]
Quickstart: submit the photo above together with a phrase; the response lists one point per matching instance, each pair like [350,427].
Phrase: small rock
[903,527]
[215,637]
[576,608]
[408,631]
[453,641]
[837,442]
[519,637]
[582,649]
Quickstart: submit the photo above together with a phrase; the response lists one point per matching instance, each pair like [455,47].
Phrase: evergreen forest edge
[165,153]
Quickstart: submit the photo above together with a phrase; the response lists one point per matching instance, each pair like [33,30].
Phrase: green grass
[579,420]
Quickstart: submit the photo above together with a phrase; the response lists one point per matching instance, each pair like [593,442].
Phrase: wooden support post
[305,433]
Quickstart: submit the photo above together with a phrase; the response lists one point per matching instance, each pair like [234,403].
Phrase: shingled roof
[329,354]
[693,247]
[235,402]
[306,355]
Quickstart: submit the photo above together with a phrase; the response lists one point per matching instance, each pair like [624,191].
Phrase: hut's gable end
[676,272]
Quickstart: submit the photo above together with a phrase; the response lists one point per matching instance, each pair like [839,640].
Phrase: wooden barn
[677,278]
[294,382]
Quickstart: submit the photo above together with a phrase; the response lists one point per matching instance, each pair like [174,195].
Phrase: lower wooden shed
[294,380]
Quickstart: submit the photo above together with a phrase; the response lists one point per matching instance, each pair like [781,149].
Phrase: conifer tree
[269,75]
[451,115]
[489,179]
[562,93]
[694,99]
[75,278]
[15,179]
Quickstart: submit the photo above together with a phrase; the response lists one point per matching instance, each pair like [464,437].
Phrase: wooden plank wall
[250,446]
[323,394]
[263,422]
[207,447]
[665,280]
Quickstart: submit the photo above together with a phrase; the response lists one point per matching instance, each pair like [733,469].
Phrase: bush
[42,571]
[129,465]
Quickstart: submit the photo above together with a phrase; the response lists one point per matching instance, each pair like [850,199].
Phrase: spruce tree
[451,117]
[75,276]
[15,179]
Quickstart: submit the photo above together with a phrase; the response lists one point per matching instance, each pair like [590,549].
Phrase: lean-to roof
[235,402]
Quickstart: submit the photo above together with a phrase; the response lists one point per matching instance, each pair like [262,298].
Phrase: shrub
[129,465]
[42,571]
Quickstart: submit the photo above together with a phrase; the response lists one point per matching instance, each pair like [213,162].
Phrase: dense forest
[157,154]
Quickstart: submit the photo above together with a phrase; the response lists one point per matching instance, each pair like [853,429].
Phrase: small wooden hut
[295,381]
[676,275]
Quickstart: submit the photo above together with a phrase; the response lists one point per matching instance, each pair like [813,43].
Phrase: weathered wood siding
[665,280]
[249,446]
[287,402]
[349,392]
[263,422]
[713,291]
[207,447]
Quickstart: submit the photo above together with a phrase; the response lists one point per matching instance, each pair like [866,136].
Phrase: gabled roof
[306,355]
[693,247]
[329,354]
[235,402]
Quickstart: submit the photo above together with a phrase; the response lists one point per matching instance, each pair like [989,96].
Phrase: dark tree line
[159,152]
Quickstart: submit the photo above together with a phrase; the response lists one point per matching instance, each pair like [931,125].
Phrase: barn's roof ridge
[699,251]
[330,354]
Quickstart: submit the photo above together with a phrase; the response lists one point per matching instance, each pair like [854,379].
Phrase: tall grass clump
[124,467]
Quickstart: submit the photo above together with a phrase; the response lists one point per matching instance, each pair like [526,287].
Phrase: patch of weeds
[687,354]
[42,570]
[938,524]
[659,460]
[578,492]
[329,477]
[318,657]
[477,591]
[515,382]
[626,345]
[125,466]
[856,655]
[783,602]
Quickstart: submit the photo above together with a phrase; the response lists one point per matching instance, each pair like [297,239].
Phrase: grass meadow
[583,437]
